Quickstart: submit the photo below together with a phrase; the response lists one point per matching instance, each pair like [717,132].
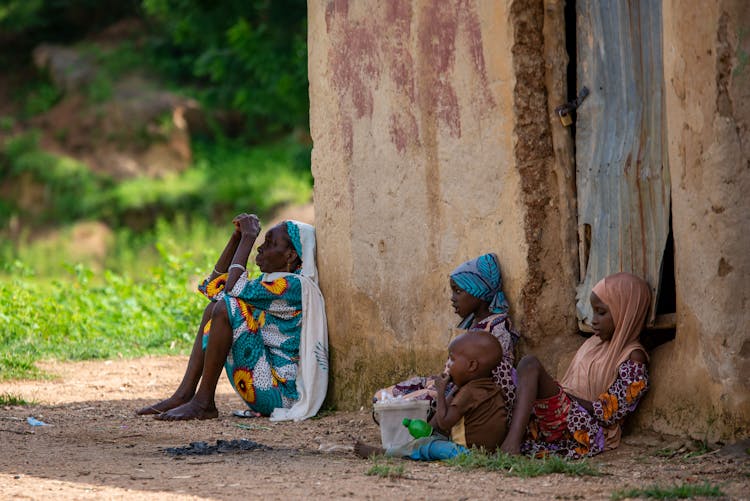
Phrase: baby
[473,415]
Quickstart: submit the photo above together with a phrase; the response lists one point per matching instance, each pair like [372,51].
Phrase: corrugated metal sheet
[621,161]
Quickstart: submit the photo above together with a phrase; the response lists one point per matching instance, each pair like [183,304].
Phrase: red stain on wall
[473,28]
[347,135]
[420,65]
[355,64]
[336,9]
[437,47]
[404,130]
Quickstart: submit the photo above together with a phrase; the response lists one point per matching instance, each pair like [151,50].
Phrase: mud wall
[431,146]
[700,380]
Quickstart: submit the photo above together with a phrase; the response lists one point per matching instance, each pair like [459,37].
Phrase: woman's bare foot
[163,406]
[188,411]
[365,451]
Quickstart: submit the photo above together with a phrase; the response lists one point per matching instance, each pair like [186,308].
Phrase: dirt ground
[96,448]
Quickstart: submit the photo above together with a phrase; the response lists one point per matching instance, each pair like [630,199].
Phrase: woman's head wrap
[302,236]
[481,278]
[293,231]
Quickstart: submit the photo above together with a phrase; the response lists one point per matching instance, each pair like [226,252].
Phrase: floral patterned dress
[561,426]
[266,319]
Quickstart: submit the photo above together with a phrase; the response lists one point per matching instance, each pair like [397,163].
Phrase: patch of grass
[386,468]
[666,452]
[12,399]
[18,366]
[254,179]
[701,448]
[112,316]
[227,178]
[682,491]
[521,466]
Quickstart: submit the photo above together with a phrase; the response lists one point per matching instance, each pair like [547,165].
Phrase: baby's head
[473,355]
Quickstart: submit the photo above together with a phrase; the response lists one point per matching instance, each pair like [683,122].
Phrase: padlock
[565,117]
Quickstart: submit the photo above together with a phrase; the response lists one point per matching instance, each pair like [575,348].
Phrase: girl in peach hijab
[582,414]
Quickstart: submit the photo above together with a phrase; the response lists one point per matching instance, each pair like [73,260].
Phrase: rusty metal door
[621,159]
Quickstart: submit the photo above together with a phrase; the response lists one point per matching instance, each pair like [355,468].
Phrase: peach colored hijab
[594,367]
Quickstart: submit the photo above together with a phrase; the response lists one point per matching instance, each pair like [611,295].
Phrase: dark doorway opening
[664,328]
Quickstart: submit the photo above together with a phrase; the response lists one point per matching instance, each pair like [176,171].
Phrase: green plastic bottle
[418,428]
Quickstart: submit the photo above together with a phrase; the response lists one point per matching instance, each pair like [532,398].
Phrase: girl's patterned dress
[560,425]
[266,319]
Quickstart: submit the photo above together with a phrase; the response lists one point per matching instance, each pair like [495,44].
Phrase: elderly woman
[269,333]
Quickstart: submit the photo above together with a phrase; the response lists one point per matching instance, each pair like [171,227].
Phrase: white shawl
[312,373]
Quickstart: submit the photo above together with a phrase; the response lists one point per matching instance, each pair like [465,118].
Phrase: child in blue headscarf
[477,297]
[479,300]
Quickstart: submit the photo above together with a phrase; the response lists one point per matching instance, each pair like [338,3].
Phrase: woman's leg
[533,383]
[203,405]
[186,389]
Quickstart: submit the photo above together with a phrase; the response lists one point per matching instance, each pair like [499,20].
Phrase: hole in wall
[584,247]
[664,330]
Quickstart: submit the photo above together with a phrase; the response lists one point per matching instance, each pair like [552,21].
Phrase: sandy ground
[96,448]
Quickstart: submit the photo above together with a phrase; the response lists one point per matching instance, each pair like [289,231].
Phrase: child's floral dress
[561,426]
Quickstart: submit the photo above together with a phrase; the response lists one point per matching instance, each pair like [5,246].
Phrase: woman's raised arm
[249,228]
[225,259]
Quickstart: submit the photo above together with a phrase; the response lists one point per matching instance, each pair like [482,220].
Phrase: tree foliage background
[154,235]
[249,56]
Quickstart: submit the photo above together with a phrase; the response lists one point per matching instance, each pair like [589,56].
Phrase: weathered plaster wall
[428,121]
[701,381]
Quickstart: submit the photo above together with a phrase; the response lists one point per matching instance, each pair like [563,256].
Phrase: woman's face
[602,323]
[463,303]
[276,252]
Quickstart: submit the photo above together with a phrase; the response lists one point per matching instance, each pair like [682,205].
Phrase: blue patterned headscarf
[293,231]
[481,278]
[302,236]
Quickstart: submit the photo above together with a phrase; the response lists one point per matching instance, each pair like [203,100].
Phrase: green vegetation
[681,491]
[12,399]
[79,319]
[39,96]
[247,56]
[130,292]
[686,451]
[7,123]
[386,468]
[67,188]
[521,466]
[226,178]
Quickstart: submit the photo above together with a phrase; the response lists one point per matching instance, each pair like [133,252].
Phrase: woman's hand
[248,225]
